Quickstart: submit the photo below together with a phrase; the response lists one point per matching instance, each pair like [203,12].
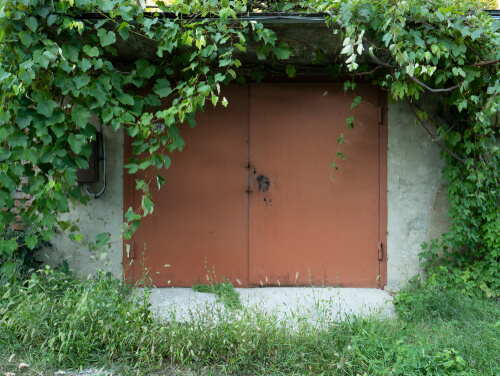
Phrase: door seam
[248,184]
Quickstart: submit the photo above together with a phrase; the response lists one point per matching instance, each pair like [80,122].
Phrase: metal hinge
[130,250]
[380,251]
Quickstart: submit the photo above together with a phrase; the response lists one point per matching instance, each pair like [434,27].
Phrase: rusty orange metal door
[309,224]
[201,214]
[253,194]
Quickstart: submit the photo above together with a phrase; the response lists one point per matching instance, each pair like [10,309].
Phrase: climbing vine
[59,67]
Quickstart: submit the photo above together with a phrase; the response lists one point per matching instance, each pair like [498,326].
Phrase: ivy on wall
[59,67]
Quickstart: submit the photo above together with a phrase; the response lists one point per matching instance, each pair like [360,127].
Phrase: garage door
[253,198]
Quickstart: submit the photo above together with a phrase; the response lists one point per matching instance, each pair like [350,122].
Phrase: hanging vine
[59,67]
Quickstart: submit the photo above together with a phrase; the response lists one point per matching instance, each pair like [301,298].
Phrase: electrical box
[91,174]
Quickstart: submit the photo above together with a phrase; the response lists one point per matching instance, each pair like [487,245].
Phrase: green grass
[224,291]
[55,321]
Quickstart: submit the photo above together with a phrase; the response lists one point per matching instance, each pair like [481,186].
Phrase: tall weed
[57,321]
[71,322]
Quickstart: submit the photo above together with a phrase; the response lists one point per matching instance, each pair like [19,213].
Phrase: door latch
[380,251]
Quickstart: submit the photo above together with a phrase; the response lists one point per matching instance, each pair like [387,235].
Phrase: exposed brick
[21,199]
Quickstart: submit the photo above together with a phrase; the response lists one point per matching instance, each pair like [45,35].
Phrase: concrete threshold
[287,305]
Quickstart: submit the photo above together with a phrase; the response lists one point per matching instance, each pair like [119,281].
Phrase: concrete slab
[288,305]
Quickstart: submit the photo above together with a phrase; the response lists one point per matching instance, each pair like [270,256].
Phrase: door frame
[129,247]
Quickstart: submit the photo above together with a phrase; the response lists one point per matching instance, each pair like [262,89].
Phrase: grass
[225,292]
[54,321]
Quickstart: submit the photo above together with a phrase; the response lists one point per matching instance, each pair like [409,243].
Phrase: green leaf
[107,37]
[18,139]
[144,69]
[147,205]
[232,72]
[51,19]
[99,23]
[91,51]
[261,53]
[454,138]
[162,88]
[71,52]
[76,237]
[410,69]
[85,64]
[123,30]
[23,121]
[4,75]
[132,168]
[81,81]
[355,102]
[350,122]
[76,142]
[166,161]
[215,99]
[41,59]
[219,77]
[4,155]
[5,201]
[101,239]
[99,94]
[290,70]
[125,98]
[59,130]
[224,13]
[80,115]
[31,241]
[107,115]
[32,23]
[283,51]
[8,269]
[46,108]
[25,37]
[160,181]
[240,47]
[225,62]
[476,34]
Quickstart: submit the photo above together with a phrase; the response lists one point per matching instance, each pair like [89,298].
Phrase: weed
[71,322]
[225,292]
[55,321]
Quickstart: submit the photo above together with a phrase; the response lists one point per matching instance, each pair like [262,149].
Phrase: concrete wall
[104,214]
[416,204]
[415,190]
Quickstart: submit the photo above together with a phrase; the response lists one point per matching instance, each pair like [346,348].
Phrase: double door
[253,197]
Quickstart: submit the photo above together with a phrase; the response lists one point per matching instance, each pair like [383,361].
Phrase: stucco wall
[104,214]
[416,204]
[415,190]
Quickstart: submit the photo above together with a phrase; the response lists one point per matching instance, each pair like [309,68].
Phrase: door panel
[202,211]
[302,223]
[252,192]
